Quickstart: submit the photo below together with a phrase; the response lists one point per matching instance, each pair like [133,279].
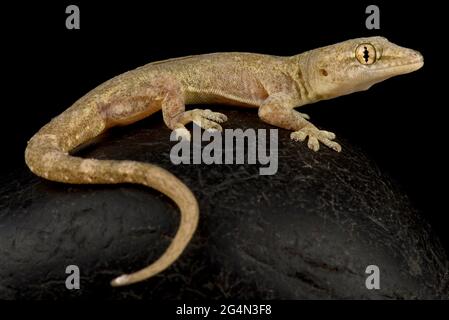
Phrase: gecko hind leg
[176,118]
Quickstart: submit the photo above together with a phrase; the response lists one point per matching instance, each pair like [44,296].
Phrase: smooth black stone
[307,232]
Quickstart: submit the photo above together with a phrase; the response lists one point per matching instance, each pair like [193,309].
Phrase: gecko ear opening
[366,53]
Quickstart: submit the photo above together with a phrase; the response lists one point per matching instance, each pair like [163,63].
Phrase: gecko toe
[207,124]
[298,136]
[315,137]
[313,143]
[327,134]
[182,134]
[331,144]
[304,115]
[214,116]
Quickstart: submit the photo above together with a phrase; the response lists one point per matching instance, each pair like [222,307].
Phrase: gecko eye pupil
[366,53]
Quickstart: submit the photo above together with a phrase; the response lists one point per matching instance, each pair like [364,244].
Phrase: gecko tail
[46,159]
[165,182]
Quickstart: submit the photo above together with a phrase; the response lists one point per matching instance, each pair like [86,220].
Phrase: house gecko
[273,84]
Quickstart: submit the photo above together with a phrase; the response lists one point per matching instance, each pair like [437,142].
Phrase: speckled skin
[275,85]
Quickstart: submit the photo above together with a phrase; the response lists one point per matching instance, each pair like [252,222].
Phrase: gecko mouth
[406,67]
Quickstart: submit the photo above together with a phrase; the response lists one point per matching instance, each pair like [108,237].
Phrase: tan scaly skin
[275,85]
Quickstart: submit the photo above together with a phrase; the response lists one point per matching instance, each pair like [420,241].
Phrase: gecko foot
[208,120]
[205,119]
[315,137]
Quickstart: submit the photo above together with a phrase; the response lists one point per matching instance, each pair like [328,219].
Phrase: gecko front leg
[278,110]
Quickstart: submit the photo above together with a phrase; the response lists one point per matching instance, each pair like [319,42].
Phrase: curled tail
[47,156]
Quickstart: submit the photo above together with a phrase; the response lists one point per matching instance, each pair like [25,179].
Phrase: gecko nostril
[323,72]
[417,56]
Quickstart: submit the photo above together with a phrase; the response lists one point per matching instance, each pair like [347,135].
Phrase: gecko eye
[366,53]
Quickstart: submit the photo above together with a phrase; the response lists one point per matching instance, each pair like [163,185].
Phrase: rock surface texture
[308,232]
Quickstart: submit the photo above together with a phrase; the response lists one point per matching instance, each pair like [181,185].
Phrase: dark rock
[309,231]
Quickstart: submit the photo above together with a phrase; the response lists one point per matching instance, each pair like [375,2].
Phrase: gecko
[276,85]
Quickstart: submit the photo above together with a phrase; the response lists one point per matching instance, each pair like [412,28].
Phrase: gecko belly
[217,97]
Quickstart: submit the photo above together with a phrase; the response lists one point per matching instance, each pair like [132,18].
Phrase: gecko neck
[299,66]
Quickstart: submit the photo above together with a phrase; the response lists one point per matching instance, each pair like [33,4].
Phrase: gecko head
[357,64]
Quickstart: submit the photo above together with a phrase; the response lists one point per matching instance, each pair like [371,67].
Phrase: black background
[398,123]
